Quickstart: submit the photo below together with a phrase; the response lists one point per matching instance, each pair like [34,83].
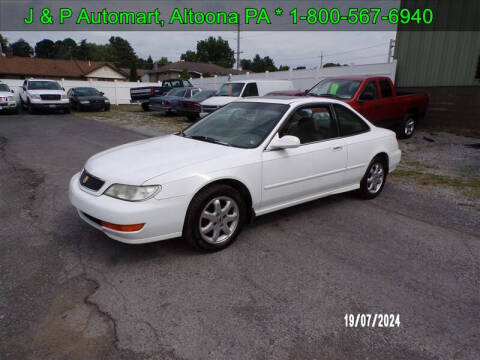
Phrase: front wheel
[374,179]
[407,127]
[215,218]
[145,106]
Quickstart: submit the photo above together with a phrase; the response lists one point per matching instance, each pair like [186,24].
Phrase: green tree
[133,72]
[246,64]
[216,51]
[331,65]
[21,48]
[149,63]
[65,49]
[283,68]
[3,44]
[123,51]
[189,55]
[260,64]
[84,51]
[185,74]
[45,49]
[163,61]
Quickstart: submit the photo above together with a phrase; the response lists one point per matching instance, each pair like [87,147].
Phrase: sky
[292,48]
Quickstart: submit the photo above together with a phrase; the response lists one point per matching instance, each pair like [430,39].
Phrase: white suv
[8,101]
[38,94]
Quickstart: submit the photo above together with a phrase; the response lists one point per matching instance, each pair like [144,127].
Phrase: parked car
[40,94]
[88,98]
[191,107]
[8,102]
[249,158]
[142,95]
[287,93]
[376,98]
[169,101]
[236,90]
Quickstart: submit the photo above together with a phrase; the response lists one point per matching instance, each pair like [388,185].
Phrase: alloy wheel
[219,220]
[375,178]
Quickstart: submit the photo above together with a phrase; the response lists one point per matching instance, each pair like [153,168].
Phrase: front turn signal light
[124,228]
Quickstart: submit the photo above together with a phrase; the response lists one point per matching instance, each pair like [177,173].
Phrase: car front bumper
[49,105]
[10,105]
[94,106]
[163,218]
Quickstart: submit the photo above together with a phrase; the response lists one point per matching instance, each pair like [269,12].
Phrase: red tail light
[196,105]
[169,103]
[152,91]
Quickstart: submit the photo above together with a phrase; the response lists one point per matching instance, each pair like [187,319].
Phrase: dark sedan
[169,101]
[88,98]
[191,107]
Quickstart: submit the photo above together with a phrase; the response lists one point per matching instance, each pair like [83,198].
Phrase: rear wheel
[215,218]
[66,110]
[145,106]
[407,126]
[374,179]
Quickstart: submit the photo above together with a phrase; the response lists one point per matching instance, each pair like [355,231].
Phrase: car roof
[42,80]
[291,100]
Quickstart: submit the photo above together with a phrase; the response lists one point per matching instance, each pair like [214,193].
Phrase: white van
[235,90]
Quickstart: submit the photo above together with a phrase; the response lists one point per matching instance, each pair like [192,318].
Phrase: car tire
[145,106]
[214,218]
[191,118]
[107,108]
[374,179]
[66,110]
[30,108]
[407,126]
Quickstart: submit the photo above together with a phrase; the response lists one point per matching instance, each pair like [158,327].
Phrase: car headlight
[35,96]
[132,192]
[85,102]
[106,100]
[64,96]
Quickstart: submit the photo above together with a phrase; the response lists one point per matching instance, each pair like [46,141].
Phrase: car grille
[90,181]
[50,97]
[97,102]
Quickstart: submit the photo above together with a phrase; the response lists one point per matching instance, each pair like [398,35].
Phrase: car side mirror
[63,88]
[11,90]
[285,142]
[101,93]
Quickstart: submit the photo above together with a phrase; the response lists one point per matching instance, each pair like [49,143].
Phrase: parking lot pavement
[280,292]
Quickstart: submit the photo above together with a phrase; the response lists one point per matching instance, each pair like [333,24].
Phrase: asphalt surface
[280,292]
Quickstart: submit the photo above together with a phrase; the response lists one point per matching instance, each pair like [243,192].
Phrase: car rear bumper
[138,101]
[11,105]
[159,107]
[163,219]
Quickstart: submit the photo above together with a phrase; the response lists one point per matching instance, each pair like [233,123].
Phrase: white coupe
[249,158]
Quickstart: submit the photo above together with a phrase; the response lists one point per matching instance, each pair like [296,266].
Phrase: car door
[317,166]
[387,109]
[354,131]
[368,102]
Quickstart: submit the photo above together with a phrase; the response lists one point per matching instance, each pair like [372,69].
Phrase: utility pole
[321,60]
[391,46]
[238,46]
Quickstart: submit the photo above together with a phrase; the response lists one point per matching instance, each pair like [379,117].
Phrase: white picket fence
[119,92]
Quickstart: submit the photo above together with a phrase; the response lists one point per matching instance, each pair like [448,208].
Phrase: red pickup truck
[376,98]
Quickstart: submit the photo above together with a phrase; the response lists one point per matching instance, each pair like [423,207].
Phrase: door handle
[337,148]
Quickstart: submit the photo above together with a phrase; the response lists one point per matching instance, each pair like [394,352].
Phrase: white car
[40,94]
[247,159]
[236,90]
[8,101]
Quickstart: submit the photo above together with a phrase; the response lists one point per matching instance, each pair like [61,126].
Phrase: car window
[231,89]
[4,87]
[385,89]
[186,83]
[369,92]
[336,88]
[84,91]
[177,92]
[239,124]
[250,90]
[44,85]
[176,83]
[311,124]
[349,122]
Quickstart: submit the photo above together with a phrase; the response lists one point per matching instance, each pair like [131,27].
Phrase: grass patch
[469,187]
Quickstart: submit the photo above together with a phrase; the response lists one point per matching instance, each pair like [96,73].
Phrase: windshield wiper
[325,95]
[207,139]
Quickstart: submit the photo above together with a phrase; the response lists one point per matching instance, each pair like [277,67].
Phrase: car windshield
[44,85]
[86,92]
[202,95]
[4,87]
[242,124]
[176,92]
[230,89]
[336,88]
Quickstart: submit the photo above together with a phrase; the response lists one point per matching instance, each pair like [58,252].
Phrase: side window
[369,92]
[348,122]
[25,84]
[385,88]
[311,124]
[186,83]
[250,90]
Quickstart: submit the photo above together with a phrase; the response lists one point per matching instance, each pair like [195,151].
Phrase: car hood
[219,100]
[52,92]
[137,162]
[6,93]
